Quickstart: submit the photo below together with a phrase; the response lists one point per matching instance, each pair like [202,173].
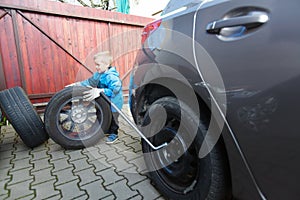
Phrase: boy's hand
[92,94]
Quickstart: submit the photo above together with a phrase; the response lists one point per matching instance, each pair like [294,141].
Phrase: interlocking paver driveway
[49,172]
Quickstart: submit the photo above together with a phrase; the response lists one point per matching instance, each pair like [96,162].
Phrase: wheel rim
[178,164]
[78,119]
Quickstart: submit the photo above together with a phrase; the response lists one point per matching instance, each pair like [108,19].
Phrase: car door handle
[251,20]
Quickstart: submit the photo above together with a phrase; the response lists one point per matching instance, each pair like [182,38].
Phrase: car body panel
[259,70]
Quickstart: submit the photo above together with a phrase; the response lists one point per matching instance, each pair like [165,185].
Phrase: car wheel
[74,123]
[23,117]
[176,170]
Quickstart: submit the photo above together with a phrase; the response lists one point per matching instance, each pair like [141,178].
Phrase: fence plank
[9,54]
[65,10]
[57,47]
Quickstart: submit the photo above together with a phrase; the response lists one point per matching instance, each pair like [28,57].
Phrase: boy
[105,80]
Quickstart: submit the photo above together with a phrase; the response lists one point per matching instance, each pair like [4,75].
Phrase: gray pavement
[102,171]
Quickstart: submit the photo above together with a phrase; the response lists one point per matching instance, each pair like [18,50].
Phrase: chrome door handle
[251,20]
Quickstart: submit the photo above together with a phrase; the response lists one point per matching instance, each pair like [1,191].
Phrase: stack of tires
[69,120]
[23,117]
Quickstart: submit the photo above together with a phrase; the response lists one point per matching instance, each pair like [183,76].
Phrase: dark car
[218,81]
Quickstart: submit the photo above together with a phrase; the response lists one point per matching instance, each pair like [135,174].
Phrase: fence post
[18,48]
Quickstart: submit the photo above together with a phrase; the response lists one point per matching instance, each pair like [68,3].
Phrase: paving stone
[4,196]
[20,190]
[103,147]
[136,146]
[5,163]
[111,197]
[50,172]
[137,197]
[64,176]
[93,154]
[88,149]
[112,154]
[28,197]
[100,164]
[129,131]
[140,163]
[60,164]
[4,174]
[123,135]
[133,178]
[122,147]
[6,146]
[42,176]
[40,164]
[121,190]
[3,191]
[37,155]
[129,140]
[82,197]
[21,164]
[56,197]
[80,164]
[86,176]
[8,140]
[95,190]
[121,164]
[8,131]
[20,176]
[109,176]
[21,147]
[19,155]
[150,193]
[6,154]
[51,142]
[40,148]
[70,190]
[131,155]
[46,190]
[75,155]
[56,152]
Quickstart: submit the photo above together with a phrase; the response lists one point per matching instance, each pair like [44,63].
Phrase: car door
[255,47]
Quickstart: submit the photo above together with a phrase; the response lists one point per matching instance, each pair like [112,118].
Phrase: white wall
[147,7]
[143,8]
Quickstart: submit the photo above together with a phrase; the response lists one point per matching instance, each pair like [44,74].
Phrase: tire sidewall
[190,122]
[52,114]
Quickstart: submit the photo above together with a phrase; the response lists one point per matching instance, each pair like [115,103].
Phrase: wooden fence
[46,45]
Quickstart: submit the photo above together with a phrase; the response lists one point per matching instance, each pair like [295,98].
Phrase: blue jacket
[111,83]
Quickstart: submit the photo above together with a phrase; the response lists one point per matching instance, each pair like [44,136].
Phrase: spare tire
[176,170]
[74,123]
[23,117]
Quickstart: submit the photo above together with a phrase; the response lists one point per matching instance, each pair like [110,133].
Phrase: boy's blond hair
[103,57]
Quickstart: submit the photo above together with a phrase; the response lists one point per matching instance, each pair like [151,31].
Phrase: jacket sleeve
[114,85]
[92,81]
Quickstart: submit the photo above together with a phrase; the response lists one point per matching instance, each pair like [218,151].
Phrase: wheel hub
[79,114]
[175,149]
[172,154]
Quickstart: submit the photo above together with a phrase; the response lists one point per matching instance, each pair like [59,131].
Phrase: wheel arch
[149,93]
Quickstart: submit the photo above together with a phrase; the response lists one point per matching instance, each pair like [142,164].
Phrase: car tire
[23,117]
[176,170]
[74,123]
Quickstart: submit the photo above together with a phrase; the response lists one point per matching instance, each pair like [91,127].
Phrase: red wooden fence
[46,45]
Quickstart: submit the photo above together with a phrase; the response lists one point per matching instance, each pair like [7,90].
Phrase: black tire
[23,117]
[74,123]
[176,170]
